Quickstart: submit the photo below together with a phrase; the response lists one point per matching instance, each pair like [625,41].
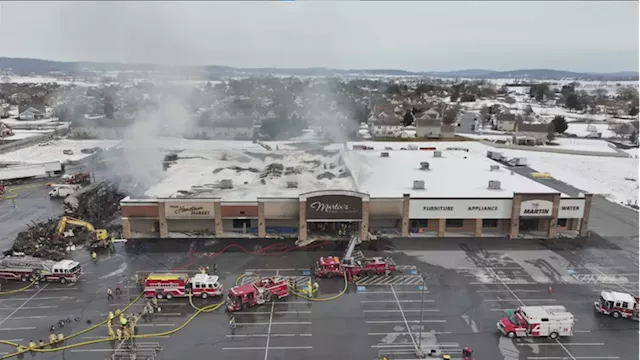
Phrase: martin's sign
[536,208]
[189,210]
[334,207]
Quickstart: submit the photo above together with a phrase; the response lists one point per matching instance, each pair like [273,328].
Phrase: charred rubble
[98,204]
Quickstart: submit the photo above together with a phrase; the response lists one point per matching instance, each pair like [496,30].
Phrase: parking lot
[378,315]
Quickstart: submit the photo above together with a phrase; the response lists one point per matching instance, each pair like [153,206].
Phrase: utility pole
[420,353]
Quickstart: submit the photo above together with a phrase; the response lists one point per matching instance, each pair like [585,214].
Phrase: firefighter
[123,321]
[37,284]
[132,324]
[109,294]
[232,322]
[446,357]
[94,256]
[215,268]
[60,338]
[118,289]
[207,268]
[467,352]
[154,302]
[41,343]
[112,335]
[316,287]
[203,270]
[32,345]
[125,333]
[309,287]
[52,339]
[119,334]
[137,279]
[111,316]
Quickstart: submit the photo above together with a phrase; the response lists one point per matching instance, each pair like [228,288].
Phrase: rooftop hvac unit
[437,153]
[388,148]
[418,185]
[494,185]
[424,165]
[384,154]
[494,167]
[292,184]
[226,184]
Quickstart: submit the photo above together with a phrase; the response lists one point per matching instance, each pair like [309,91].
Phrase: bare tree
[622,129]
[449,116]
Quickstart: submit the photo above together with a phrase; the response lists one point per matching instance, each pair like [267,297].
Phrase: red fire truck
[77,178]
[330,266]
[170,285]
[24,268]
[617,304]
[256,293]
[537,321]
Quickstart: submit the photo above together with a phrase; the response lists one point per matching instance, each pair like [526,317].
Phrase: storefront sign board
[460,208]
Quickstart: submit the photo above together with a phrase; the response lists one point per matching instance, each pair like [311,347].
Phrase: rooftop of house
[457,174]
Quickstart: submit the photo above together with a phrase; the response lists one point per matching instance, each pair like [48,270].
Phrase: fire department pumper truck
[258,292]
[170,285]
[617,304]
[330,266]
[537,321]
[24,268]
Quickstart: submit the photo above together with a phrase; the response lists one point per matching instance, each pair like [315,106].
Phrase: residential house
[448,131]
[506,122]
[31,112]
[531,134]
[5,130]
[427,127]
[391,127]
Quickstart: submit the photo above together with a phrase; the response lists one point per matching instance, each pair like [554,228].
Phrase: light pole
[420,353]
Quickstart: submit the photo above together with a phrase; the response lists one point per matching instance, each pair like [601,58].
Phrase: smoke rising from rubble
[324,111]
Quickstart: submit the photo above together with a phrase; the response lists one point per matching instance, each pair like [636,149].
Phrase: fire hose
[18,290]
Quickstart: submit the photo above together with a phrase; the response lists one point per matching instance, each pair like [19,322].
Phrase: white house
[506,122]
[387,128]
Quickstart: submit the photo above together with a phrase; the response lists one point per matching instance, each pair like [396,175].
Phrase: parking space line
[41,298]
[391,292]
[266,349]
[278,323]
[30,308]
[18,328]
[514,290]
[271,348]
[413,340]
[573,358]
[402,322]
[497,300]
[394,301]
[383,346]
[397,310]
[265,335]
[275,312]
[560,344]
[23,304]
[620,285]
[406,333]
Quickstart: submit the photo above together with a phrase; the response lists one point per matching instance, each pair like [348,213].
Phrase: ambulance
[537,321]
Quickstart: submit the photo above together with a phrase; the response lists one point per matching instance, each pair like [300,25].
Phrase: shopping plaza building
[406,193]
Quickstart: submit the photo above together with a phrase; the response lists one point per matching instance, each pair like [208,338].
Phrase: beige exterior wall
[201,225]
[280,210]
[126,228]
[405,215]
[364,223]
[584,226]
[164,229]
[302,223]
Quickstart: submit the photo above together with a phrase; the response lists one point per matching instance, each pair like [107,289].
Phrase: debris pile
[97,204]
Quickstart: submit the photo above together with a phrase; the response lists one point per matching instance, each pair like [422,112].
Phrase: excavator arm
[101,234]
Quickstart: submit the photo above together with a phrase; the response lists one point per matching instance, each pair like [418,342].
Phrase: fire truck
[258,292]
[24,268]
[170,285]
[77,178]
[617,304]
[353,264]
[537,321]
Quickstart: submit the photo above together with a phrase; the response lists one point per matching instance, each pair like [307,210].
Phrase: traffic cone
[549,290]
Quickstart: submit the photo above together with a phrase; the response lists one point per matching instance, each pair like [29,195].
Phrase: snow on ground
[16,122]
[632,152]
[42,80]
[595,145]
[25,134]
[201,170]
[606,176]
[583,130]
[53,151]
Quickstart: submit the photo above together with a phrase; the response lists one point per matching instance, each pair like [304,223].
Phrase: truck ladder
[348,255]
[27,262]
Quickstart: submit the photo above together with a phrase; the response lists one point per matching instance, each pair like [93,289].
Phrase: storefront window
[455,223]
[241,223]
[490,223]
[419,223]
[562,223]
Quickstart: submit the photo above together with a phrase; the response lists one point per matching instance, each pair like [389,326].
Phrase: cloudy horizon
[412,36]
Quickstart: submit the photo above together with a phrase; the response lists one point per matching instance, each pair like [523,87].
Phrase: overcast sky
[419,36]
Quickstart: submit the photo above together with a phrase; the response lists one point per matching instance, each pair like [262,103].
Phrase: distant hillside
[24,66]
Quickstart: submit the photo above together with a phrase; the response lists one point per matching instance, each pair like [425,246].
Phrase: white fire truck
[537,321]
[617,304]
[170,285]
[24,268]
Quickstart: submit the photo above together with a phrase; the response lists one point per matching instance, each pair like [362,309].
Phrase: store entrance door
[340,229]
[529,224]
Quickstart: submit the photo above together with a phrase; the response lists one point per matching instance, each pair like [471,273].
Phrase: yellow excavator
[101,234]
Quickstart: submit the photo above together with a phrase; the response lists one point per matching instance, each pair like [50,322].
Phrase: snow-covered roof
[457,174]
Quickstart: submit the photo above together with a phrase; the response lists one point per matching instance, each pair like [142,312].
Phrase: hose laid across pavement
[344,290]
[18,290]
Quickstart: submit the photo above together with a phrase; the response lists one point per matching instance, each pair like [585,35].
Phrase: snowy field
[583,130]
[253,172]
[53,151]
[43,80]
[594,145]
[25,134]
